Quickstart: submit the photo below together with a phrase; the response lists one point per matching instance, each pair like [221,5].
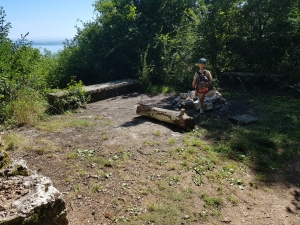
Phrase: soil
[118,133]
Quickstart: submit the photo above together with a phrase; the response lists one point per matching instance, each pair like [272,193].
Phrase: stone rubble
[212,100]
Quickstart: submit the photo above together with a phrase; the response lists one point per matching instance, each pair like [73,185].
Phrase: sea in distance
[52,46]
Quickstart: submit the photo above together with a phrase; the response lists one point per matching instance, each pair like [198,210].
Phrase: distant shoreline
[47,42]
[53,47]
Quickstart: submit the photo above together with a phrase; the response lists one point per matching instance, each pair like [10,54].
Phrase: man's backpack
[202,83]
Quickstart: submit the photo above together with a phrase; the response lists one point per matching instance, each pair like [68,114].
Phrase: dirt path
[123,168]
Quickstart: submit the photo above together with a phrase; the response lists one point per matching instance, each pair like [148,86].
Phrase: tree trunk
[180,119]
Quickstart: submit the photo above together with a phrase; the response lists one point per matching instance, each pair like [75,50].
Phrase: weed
[233,200]
[12,141]
[151,143]
[197,179]
[161,185]
[105,136]
[101,173]
[84,153]
[72,155]
[77,187]
[172,141]
[82,173]
[158,133]
[174,180]
[96,187]
[144,191]
[212,201]
[219,188]
[261,177]
[69,179]
[108,123]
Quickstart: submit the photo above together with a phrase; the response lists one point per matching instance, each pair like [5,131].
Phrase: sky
[46,19]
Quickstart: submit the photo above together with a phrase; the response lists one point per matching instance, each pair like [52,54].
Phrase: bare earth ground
[113,169]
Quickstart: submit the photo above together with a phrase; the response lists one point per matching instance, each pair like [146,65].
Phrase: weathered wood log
[180,119]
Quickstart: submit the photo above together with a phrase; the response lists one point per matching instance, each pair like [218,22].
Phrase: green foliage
[22,83]
[27,107]
[159,42]
[71,98]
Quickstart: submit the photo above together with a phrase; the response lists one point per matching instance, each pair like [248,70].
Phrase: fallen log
[180,119]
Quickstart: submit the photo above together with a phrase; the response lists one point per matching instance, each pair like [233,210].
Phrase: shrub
[71,98]
[28,107]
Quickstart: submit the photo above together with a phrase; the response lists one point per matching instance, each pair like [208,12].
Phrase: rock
[28,198]
[16,168]
[183,95]
[108,216]
[217,106]
[186,104]
[214,94]
[226,220]
[208,105]
[43,204]
[243,119]
[186,216]
[177,99]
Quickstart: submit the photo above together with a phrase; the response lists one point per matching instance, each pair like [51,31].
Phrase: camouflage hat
[202,61]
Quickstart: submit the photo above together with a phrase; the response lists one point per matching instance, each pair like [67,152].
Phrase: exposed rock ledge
[29,198]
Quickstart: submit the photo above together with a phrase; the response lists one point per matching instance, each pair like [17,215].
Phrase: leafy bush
[71,98]
[28,107]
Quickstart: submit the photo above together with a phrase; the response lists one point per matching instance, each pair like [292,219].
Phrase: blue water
[54,48]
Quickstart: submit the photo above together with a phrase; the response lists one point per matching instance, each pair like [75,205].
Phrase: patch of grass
[96,187]
[42,146]
[172,141]
[161,214]
[197,179]
[105,136]
[58,123]
[162,185]
[12,141]
[69,179]
[233,200]
[72,155]
[157,133]
[151,143]
[215,202]
[77,187]
[262,177]
[174,180]
[108,123]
